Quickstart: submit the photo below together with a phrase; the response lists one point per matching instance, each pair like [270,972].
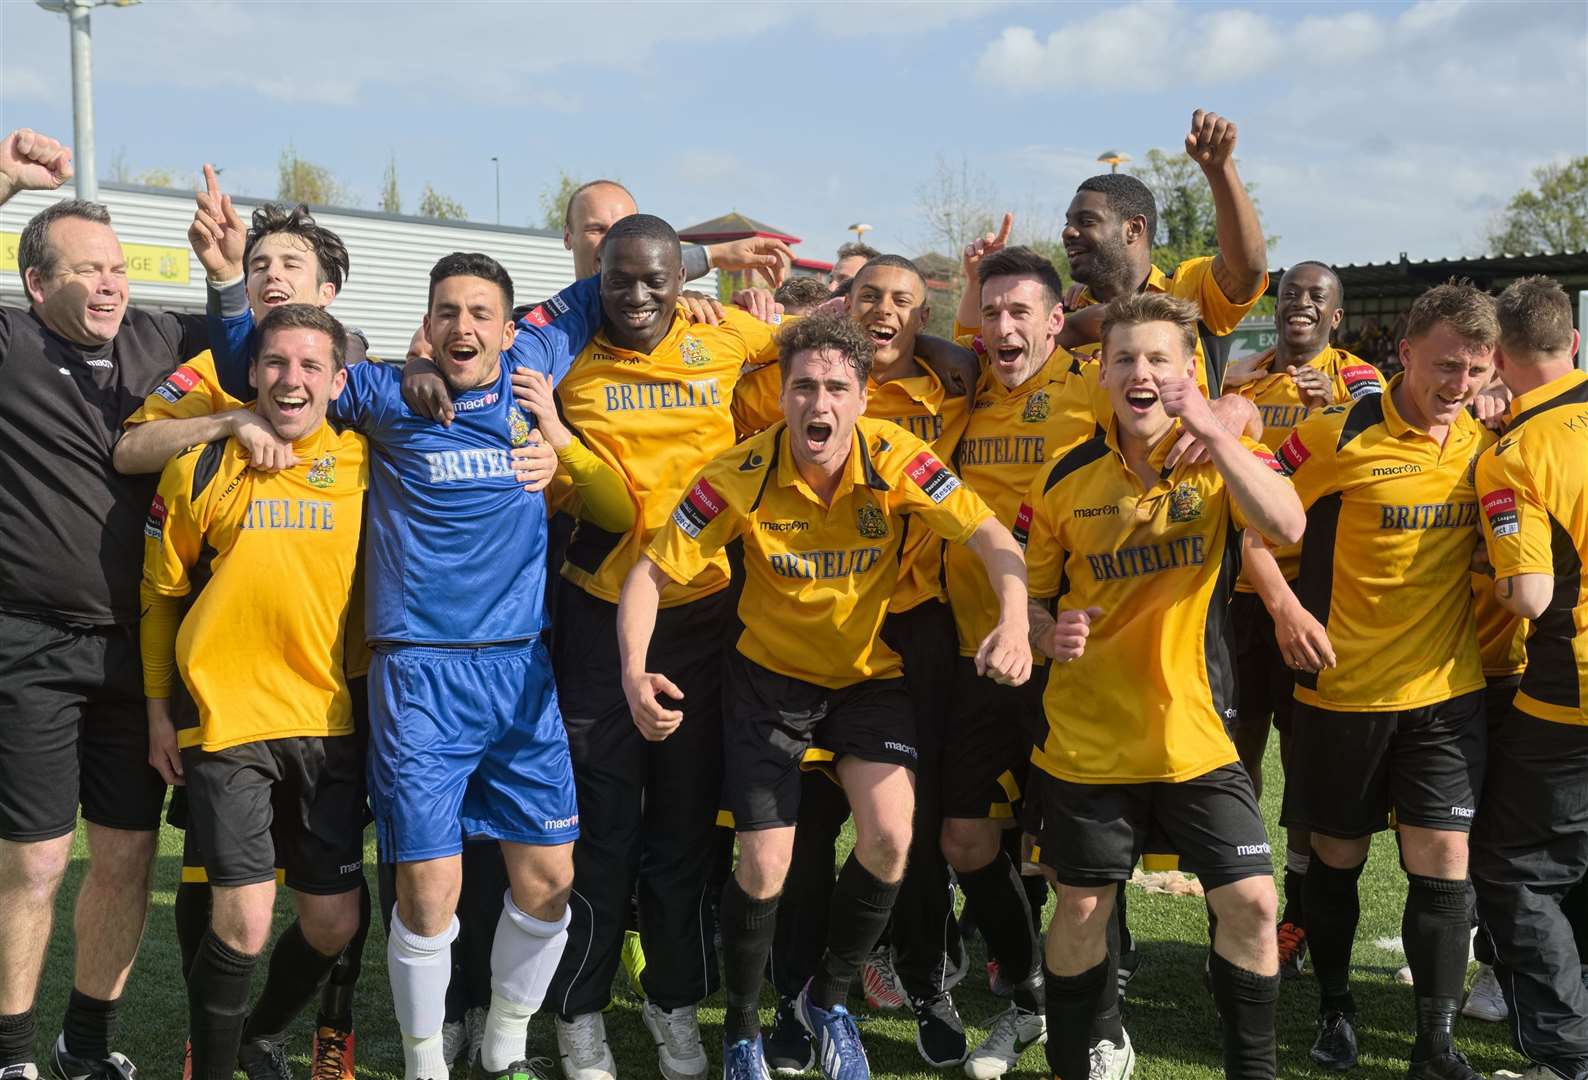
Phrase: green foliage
[433,204]
[1552,216]
[121,173]
[390,199]
[1187,221]
[554,200]
[302,181]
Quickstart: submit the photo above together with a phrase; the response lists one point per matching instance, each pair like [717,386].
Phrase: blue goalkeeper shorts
[467,742]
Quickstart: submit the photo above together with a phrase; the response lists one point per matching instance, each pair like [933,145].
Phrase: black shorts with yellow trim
[1093,834]
[775,726]
[987,742]
[1350,770]
[295,803]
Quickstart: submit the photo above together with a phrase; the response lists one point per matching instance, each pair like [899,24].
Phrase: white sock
[420,969]
[524,957]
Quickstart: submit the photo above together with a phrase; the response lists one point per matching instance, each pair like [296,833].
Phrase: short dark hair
[329,251]
[1460,305]
[1150,307]
[1535,317]
[305,317]
[799,294]
[472,264]
[642,227]
[33,249]
[856,247]
[898,261]
[567,210]
[1339,285]
[836,332]
[1126,197]
[1022,262]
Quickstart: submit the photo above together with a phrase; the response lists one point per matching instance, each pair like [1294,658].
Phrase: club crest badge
[517,428]
[322,474]
[871,523]
[694,352]
[1036,408]
[1185,502]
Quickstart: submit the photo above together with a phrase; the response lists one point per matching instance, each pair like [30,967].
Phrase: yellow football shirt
[1192,280]
[261,648]
[1392,523]
[656,420]
[1011,435]
[1279,405]
[818,578]
[1148,699]
[191,391]
[1502,637]
[1535,518]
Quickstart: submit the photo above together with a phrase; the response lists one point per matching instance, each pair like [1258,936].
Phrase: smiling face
[467,327]
[1095,240]
[296,375]
[1019,322]
[641,278]
[591,215]
[822,397]
[1136,359]
[1444,372]
[889,303]
[83,295]
[1308,309]
[283,269]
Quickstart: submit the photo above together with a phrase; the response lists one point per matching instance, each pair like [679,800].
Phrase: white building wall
[390,255]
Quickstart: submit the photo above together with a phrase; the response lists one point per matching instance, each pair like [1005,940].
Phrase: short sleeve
[1515,523]
[553,332]
[701,524]
[1356,381]
[1037,532]
[1307,456]
[930,490]
[1194,280]
[757,400]
[758,339]
[371,398]
[172,535]
[185,394]
[1267,457]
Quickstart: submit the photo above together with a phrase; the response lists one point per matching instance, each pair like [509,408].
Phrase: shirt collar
[1059,365]
[1155,456]
[925,388]
[859,471]
[1540,394]
[669,340]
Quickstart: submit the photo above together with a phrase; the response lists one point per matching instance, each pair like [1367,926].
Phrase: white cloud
[21,83]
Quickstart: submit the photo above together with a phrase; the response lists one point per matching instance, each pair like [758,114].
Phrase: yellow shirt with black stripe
[1535,518]
[1392,522]
[1148,699]
[656,419]
[1502,637]
[818,577]
[1011,435]
[1192,280]
[1279,404]
[260,650]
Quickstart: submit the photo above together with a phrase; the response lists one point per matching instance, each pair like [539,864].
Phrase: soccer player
[1112,223]
[1528,846]
[1301,374]
[851,257]
[819,502]
[1396,722]
[72,726]
[274,727]
[1033,403]
[1144,554]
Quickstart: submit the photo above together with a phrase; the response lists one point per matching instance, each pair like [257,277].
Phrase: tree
[1552,217]
[302,181]
[433,204]
[121,173]
[390,200]
[554,200]
[1187,222]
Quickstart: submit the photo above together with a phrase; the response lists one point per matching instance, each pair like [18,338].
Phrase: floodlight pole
[82,99]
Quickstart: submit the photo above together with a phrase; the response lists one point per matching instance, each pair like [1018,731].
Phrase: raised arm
[1242,261]
[31,161]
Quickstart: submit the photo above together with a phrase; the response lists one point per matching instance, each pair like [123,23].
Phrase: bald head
[591,211]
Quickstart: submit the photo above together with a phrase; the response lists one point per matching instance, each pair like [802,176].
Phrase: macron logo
[1462,812]
[1253,849]
[552,824]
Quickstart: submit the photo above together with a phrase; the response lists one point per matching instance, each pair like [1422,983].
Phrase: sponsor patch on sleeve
[1263,454]
[1360,380]
[154,524]
[699,506]
[177,384]
[932,477]
[1022,527]
[1293,454]
[544,312]
[1499,506]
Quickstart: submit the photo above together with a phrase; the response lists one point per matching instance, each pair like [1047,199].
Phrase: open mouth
[1447,404]
[104,309]
[1009,355]
[289,405]
[1301,320]
[639,316]
[817,436]
[462,354]
[1141,399]
[882,336]
[274,297]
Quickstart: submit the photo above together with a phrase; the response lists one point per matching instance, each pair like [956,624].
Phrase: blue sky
[1370,129]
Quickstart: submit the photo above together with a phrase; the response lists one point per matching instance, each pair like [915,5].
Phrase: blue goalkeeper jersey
[456,549]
